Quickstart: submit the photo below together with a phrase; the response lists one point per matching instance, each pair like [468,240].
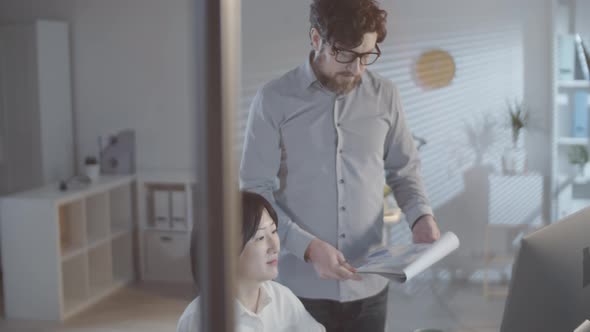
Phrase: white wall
[131,68]
[581,20]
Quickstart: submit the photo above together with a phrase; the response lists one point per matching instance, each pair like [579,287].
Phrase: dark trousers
[362,315]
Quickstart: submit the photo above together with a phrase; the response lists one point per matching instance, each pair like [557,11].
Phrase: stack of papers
[402,263]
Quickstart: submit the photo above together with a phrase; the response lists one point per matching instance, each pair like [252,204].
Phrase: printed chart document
[402,263]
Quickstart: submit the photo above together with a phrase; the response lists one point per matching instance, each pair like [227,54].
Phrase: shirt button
[340,151]
[342,236]
[343,208]
[338,124]
[341,181]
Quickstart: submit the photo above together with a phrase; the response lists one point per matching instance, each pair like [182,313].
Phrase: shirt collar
[308,74]
[263,301]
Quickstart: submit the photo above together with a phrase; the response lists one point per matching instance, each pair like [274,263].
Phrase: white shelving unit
[577,84]
[567,141]
[569,192]
[165,213]
[64,251]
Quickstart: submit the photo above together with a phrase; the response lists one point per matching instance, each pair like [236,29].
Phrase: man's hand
[425,230]
[328,262]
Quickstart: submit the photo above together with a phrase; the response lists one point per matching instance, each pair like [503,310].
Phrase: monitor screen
[550,286]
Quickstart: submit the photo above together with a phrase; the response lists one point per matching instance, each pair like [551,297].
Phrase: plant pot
[514,161]
[92,172]
[579,170]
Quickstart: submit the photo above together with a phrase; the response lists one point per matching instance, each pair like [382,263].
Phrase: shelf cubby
[74,282]
[121,207]
[100,268]
[97,218]
[122,258]
[72,228]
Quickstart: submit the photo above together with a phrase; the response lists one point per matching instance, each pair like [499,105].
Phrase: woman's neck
[248,293]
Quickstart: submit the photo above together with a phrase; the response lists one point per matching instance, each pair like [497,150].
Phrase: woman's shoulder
[190,319]
[289,308]
[280,293]
[275,287]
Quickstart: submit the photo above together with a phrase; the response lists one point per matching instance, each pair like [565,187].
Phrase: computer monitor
[550,286]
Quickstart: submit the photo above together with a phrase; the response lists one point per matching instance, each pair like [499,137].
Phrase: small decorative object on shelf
[514,158]
[91,168]
[578,156]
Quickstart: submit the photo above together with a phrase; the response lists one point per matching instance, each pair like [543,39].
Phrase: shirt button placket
[339,177]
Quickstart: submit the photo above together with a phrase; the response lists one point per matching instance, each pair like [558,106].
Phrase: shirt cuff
[413,214]
[297,242]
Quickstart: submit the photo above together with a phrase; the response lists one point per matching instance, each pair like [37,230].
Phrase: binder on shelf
[580,116]
[582,60]
[178,209]
[161,208]
[566,57]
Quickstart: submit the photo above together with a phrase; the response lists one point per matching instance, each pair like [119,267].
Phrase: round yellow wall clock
[435,69]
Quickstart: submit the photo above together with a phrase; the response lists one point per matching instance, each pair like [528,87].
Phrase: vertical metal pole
[216,228]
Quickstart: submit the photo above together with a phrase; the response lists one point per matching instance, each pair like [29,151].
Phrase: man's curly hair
[346,21]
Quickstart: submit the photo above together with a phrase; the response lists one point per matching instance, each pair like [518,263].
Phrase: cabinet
[64,251]
[570,189]
[166,220]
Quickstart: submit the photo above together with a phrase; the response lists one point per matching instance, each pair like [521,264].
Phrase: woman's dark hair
[253,206]
[346,21]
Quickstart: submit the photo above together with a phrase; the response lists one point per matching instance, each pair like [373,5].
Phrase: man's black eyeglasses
[347,56]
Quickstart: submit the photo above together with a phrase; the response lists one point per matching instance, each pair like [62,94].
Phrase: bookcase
[570,187]
[64,251]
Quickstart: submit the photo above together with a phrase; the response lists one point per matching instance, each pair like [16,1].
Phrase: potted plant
[514,158]
[91,168]
[578,156]
[519,116]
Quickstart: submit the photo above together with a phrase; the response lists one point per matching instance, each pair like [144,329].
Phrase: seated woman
[261,304]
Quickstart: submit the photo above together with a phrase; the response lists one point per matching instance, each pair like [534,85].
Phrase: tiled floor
[449,306]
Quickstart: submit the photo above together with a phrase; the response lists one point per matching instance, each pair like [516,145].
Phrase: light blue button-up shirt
[322,160]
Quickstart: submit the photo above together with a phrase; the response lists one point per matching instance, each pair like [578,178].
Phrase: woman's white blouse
[278,310]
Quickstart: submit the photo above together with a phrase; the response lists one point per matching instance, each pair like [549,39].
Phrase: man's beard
[332,83]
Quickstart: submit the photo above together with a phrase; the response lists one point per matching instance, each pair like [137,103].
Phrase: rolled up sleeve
[402,166]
